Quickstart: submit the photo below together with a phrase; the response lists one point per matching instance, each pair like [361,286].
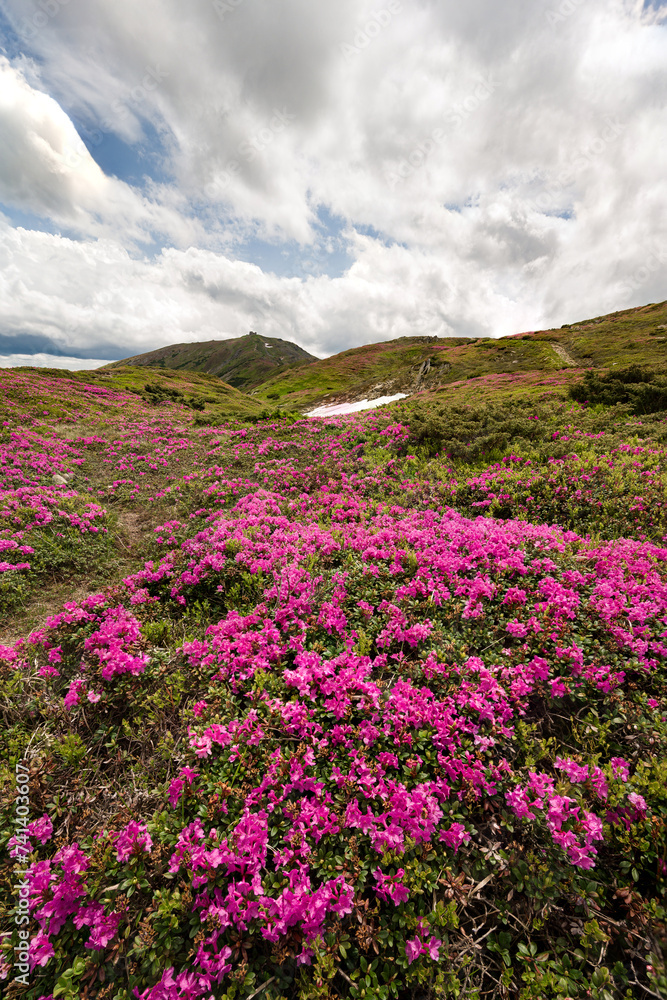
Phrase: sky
[332,174]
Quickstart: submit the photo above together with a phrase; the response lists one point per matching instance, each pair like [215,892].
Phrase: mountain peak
[244,362]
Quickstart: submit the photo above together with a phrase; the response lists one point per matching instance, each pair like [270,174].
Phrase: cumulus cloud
[495,167]
[96,300]
[44,165]
[51,361]
[46,169]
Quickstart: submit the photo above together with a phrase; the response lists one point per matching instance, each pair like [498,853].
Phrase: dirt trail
[132,523]
[564,356]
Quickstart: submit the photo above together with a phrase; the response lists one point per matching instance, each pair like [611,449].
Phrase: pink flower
[575,772]
[46,670]
[103,927]
[515,596]
[175,792]
[519,803]
[72,697]
[620,768]
[42,829]
[71,859]
[391,886]
[454,836]
[638,801]
[413,949]
[433,945]
[599,783]
[40,950]
[134,835]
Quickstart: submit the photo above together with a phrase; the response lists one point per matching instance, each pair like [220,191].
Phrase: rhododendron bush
[337,737]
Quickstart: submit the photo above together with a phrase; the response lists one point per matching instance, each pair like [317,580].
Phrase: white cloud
[50,361]
[44,165]
[46,169]
[509,158]
[95,298]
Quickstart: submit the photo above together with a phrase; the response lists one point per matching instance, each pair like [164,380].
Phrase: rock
[58,480]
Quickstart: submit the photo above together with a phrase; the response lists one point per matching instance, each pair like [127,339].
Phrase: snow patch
[336,409]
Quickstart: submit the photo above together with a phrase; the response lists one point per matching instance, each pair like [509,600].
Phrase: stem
[262,988]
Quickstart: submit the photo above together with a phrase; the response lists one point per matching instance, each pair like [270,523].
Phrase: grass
[634,336]
[391,582]
[202,392]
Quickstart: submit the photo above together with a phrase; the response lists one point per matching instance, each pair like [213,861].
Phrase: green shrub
[641,388]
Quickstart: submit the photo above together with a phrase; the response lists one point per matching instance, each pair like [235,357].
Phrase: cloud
[494,167]
[95,300]
[44,165]
[46,169]
[50,361]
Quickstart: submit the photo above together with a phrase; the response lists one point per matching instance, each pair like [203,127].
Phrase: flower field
[375,707]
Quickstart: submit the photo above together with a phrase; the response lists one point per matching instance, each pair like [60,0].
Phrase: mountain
[374,370]
[243,362]
[277,373]
[414,364]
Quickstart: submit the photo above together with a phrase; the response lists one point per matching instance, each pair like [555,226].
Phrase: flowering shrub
[340,738]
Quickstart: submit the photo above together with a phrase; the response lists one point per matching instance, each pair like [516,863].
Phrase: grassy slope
[213,398]
[631,336]
[394,365]
[130,761]
[244,362]
[68,406]
[466,370]
[127,775]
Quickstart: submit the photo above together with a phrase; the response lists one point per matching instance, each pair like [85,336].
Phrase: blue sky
[331,175]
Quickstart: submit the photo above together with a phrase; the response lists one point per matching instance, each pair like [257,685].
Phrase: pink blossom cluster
[364,713]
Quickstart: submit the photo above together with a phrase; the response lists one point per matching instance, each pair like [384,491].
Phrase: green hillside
[243,362]
[374,370]
[416,364]
[373,706]
[272,373]
[211,398]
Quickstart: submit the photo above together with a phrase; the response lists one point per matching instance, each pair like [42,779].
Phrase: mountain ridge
[243,362]
[295,380]
[414,364]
